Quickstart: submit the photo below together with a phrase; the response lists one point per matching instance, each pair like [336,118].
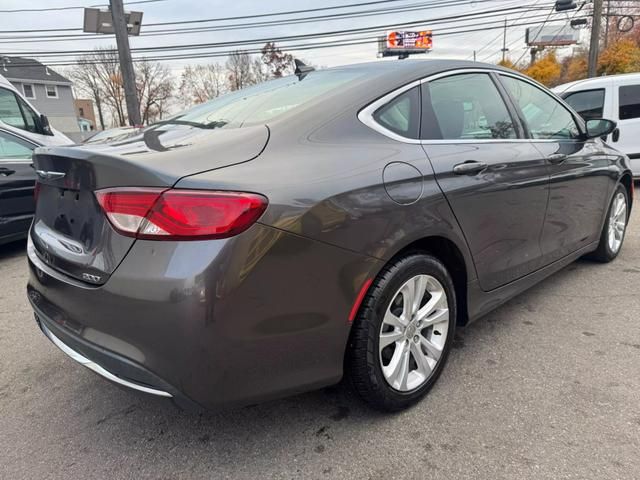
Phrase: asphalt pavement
[545,387]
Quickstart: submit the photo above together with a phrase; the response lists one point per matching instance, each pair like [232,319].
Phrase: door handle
[615,136]
[5,172]
[469,167]
[557,158]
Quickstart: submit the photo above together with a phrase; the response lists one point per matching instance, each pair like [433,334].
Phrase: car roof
[595,82]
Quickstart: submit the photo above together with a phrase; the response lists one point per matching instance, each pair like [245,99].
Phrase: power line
[282,22]
[77,7]
[376,28]
[240,17]
[295,47]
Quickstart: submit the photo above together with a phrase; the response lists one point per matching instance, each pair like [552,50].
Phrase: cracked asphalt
[545,387]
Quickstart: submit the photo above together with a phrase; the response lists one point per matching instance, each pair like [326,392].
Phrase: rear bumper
[121,366]
[216,324]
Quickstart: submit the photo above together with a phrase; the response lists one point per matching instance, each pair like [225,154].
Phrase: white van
[19,117]
[615,97]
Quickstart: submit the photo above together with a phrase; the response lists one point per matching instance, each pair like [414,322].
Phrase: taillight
[36,191]
[161,214]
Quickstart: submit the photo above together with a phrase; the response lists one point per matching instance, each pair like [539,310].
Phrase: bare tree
[201,83]
[239,73]
[154,86]
[98,75]
[259,70]
[86,83]
[278,63]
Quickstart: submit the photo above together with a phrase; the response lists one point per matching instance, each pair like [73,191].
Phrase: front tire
[402,335]
[615,227]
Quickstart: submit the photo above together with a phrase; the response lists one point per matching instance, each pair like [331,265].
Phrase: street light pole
[126,64]
[595,38]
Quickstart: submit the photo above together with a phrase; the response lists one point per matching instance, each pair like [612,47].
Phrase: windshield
[263,102]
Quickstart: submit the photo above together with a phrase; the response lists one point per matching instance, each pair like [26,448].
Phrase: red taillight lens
[159,214]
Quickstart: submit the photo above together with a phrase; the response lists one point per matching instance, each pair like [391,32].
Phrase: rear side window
[629,96]
[465,107]
[588,103]
[546,117]
[402,114]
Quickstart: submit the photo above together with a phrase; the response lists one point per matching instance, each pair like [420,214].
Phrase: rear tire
[414,329]
[614,229]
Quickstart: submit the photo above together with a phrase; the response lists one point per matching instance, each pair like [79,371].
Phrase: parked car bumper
[209,322]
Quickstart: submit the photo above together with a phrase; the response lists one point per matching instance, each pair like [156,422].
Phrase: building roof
[20,68]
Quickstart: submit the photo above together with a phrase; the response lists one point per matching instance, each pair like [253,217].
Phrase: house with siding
[48,91]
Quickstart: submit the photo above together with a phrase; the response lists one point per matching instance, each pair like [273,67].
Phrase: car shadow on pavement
[13,249]
[323,414]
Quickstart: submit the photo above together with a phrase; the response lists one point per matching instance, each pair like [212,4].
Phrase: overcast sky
[488,43]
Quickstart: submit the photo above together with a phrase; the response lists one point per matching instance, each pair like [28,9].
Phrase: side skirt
[481,303]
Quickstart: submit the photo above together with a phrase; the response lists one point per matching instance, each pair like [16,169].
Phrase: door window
[588,103]
[466,106]
[402,114]
[546,117]
[629,96]
[30,117]
[10,112]
[12,148]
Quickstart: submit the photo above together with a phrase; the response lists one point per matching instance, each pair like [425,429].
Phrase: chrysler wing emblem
[49,175]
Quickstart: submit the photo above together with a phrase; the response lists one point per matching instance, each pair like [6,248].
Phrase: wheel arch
[451,256]
[627,181]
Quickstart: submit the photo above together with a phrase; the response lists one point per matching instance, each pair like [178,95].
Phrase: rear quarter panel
[326,183]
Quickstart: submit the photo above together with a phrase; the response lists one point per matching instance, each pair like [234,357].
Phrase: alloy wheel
[413,333]
[617,222]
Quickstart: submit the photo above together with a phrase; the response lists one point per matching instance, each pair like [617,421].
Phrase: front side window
[465,107]
[30,117]
[12,148]
[402,114]
[28,91]
[546,117]
[52,91]
[629,96]
[588,103]
[10,112]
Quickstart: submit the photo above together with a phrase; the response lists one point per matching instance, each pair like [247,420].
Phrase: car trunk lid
[71,233]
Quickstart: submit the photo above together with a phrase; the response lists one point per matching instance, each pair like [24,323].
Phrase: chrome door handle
[557,158]
[5,172]
[469,167]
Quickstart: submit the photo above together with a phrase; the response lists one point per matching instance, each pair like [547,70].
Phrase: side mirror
[600,127]
[44,124]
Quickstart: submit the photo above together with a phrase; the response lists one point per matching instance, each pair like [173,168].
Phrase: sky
[487,42]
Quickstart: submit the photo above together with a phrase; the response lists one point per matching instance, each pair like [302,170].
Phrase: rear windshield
[263,102]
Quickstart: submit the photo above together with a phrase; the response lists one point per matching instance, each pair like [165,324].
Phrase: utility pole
[126,64]
[595,38]
[606,25]
[504,42]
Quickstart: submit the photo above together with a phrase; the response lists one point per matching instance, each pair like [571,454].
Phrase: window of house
[28,90]
[81,112]
[52,91]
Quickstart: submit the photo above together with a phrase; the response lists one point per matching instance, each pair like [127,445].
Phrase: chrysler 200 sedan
[332,223]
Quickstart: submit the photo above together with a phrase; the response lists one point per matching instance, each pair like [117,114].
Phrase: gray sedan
[331,223]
